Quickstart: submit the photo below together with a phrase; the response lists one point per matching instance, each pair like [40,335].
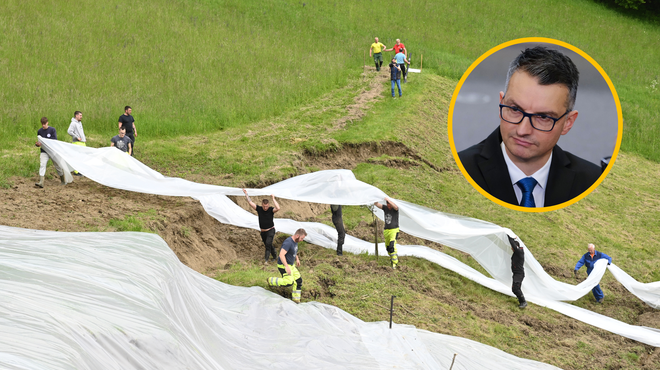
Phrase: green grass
[246,93]
[197,67]
[138,222]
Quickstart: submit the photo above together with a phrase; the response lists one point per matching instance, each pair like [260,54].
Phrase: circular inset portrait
[535,124]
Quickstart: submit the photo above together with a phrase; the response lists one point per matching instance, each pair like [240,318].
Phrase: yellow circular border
[458,89]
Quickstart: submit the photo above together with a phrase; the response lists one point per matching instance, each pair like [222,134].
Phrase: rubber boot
[295,296]
[40,183]
[62,181]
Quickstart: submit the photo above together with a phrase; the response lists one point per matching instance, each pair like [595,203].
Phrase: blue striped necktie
[527,186]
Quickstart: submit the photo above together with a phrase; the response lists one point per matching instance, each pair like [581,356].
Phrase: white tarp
[485,241]
[90,301]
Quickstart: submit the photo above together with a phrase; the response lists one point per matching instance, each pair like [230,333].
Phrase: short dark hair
[44,120]
[549,67]
[264,201]
[76,113]
[301,232]
[122,128]
[127,108]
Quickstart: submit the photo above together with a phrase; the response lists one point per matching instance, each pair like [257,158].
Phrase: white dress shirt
[516,174]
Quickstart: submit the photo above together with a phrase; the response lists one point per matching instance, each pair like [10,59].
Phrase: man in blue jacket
[589,259]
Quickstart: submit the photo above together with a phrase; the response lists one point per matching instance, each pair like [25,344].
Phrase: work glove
[576,274]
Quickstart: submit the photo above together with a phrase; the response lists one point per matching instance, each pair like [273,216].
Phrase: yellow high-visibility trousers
[294,280]
[390,244]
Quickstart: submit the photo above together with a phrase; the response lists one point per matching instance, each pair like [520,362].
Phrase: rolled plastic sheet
[484,241]
[124,301]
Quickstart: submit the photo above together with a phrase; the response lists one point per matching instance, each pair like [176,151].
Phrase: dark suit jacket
[569,175]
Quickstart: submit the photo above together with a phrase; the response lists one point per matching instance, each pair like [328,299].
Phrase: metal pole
[392,310]
[375,232]
[452,361]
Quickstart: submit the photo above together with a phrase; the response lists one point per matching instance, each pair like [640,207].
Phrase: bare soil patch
[393,154]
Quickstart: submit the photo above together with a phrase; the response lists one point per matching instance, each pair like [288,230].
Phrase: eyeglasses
[540,122]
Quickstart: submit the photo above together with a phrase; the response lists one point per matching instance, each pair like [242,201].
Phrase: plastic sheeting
[124,301]
[485,241]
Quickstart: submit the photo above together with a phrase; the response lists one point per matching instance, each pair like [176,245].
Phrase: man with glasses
[520,163]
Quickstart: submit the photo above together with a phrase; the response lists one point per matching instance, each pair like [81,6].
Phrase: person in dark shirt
[395,76]
[391,229]
[47,132]
[122,142]
[126,121]
[266,223]
[287,264]
[518,269]
[589,259]
[338,221]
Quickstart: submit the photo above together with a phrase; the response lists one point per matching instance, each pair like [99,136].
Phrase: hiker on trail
[399,47]
[77,133]
[518,269]
[47,132]
[126,121]
[589,259]
[122,142]
[377,49]
[285,264]
[401,60]
[395,76]
[391,229]
[338,221]
[266,223]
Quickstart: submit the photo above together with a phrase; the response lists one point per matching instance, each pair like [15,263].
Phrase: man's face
[523,143]
[591,249]
[299,238]
[265,206]
[79,117]
[128,111]
[376,40]
[122,133]
[44,125]
[398,41]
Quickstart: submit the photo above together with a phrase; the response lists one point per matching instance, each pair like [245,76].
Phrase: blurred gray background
[476,112]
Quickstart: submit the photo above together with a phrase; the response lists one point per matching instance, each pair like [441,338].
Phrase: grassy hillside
[618,217]
[198,66]
[247,93]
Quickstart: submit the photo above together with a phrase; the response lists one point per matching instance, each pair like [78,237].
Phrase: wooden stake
[452,360]
[375,231]
[421,62]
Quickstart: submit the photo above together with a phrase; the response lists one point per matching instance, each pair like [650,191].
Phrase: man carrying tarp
[338,221]
[518,269]
[589,259]
[377,48]
[47,132]
[128,122]
[77,133]
[285,264]
[391,229]
[266,223]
